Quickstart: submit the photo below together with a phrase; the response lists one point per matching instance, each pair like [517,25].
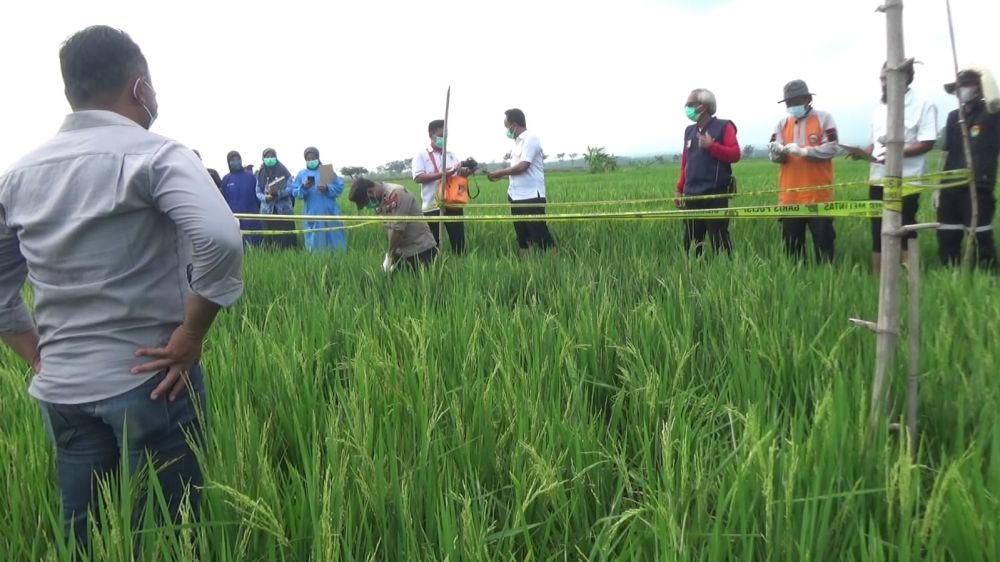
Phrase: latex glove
[794,149]
[775,151]
[387,265]
[936,198]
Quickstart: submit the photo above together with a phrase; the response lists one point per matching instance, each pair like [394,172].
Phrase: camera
[470,163]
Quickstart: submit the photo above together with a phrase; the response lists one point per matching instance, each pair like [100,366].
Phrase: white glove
[387,265]
[775,150]
[795,149]
[936,198]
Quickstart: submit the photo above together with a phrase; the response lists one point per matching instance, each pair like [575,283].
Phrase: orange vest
[797,171]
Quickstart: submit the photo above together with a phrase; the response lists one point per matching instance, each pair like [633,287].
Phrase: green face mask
[270,162]
[373,205]
[691,113]
[312,164]
[510,134]
[439,142]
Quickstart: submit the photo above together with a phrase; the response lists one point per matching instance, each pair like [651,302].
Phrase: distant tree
[677,157]
[560,156]
[572,158]
[600,160]
[659,159]
[748,151]
[354,171]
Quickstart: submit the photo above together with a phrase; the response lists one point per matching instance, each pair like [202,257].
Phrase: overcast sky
[360,80]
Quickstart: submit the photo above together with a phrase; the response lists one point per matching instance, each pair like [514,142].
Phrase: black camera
[470,163]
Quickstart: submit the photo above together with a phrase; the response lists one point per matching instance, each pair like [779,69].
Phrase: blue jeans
[90,438]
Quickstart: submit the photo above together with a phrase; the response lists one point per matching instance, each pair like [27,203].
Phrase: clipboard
[326,174]
[278,184]
[859,153]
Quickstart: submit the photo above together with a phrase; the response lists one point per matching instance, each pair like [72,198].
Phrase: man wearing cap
[920,133]
[320,199]
[411,243]
[980,101]
[710,149]
[239,187]
[804,143]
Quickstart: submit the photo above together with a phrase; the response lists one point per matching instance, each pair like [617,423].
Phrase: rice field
[621,402]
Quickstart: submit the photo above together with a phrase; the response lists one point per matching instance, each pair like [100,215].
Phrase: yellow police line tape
[856,209]
[304,230]
[895,188]
[910,185]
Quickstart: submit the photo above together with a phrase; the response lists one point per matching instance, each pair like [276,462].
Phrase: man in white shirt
[526,191]
[429,166]
[919,135]
[131,252]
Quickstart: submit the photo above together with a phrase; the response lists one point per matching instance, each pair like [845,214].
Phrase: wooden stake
[913,338]
[888,302]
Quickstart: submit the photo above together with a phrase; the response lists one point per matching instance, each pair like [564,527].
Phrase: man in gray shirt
[131,253]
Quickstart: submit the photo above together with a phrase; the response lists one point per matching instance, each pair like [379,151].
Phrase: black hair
[359,192]
[435,125]
[97,63]
[516,116]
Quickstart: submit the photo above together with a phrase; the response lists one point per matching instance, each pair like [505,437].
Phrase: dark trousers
[955,215]
[90,439]
[717,230]
[531,233]
[456,230]
[280,241]
[911,204]
[793,231]
[422,259]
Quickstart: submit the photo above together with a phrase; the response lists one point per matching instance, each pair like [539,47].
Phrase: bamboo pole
[969,239]
[913,339]
[888,304]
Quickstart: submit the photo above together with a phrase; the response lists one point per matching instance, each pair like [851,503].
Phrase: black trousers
[911,204]
[422,259]
[531,233]
[955,215]
[717,230]
[793,232]
[456,230]
[280,241]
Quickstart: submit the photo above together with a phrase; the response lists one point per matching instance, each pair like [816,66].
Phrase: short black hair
[516,116]
[435,125]
[97,63]
[359,192]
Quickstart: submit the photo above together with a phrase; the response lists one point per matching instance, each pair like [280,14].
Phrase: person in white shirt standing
[919,136]
[429,166]
[526,191]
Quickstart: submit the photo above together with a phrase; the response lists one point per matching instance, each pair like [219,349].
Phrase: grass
[622,402]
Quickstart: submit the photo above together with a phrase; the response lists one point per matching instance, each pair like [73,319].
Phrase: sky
[361,80]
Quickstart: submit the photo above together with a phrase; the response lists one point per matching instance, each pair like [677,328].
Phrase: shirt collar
[95,118]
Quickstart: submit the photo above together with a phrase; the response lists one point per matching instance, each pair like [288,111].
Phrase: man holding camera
[429,167]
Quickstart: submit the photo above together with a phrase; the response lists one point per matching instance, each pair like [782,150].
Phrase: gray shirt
[112,225]
[416,236]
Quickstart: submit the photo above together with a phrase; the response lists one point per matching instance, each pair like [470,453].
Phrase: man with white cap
[980,103]
[804,143]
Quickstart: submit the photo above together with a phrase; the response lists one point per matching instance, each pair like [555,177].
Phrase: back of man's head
[97,64]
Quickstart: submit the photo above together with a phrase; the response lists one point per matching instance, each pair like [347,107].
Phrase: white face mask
[135,94]
[797,111]
[967,94]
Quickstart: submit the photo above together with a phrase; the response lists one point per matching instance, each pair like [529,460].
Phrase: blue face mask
[797,111]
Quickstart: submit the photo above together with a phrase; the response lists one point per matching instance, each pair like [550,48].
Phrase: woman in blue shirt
[239,187]
[274,190]
[319,200]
